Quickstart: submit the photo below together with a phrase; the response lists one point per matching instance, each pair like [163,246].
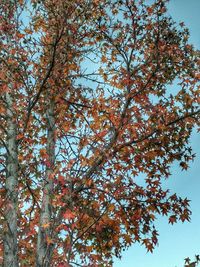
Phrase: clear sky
[182,239]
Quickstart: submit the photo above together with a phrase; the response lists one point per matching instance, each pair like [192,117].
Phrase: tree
[90,127]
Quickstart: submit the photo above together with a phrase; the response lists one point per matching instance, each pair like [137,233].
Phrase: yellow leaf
[45,225]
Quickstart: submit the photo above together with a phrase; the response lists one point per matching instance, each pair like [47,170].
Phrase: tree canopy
[97,99]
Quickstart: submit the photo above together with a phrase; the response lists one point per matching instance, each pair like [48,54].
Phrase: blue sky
[182,239]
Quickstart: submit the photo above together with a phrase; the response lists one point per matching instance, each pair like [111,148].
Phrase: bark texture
[44,248]
[10,258]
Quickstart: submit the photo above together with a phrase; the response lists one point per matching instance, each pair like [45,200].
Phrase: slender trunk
[44,247]
[10,258]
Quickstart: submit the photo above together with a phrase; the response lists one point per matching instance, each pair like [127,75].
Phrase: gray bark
[44,250]
[10,257]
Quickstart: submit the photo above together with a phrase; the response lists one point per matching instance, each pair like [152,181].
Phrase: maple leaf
[46,225]
[43,152]
[187,260]
[128,239]
[69,215]
[172,219]
[104,59]
[61,179]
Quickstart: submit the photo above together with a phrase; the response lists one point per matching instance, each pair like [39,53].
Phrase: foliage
[105,96]
[188,262]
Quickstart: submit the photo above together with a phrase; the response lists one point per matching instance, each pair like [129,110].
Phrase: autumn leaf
[104,59]
[43,152]
[172,219]
[69,215]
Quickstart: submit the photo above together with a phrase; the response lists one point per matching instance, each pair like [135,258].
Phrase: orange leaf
[68,215]
[45,225]
[43,152]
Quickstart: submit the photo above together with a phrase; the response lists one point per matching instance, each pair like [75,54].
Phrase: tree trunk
[10,258]
[44,247]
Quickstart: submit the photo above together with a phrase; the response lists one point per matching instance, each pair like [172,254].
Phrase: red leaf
[68,215]
[172,219]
